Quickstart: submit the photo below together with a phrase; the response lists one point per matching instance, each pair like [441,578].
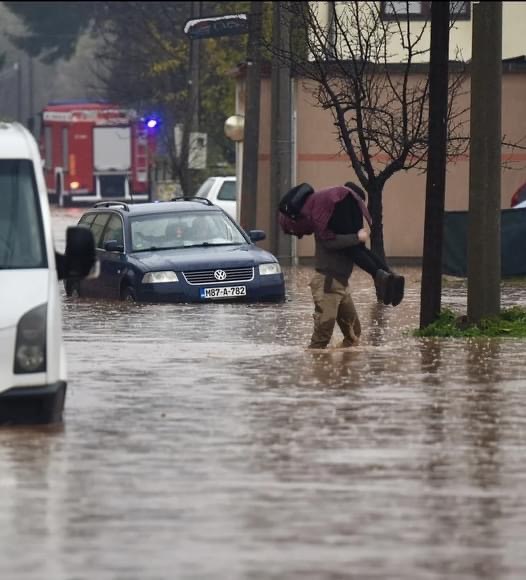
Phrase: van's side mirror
[80,257]
[257,235]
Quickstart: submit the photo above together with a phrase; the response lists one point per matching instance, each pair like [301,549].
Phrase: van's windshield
[21,232]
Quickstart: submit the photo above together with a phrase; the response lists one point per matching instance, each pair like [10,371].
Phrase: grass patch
[458,282]
[511,322]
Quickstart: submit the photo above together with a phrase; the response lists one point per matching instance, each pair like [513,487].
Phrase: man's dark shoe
[397,289]
[384,287]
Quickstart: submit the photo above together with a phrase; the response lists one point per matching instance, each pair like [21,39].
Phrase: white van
[32,364]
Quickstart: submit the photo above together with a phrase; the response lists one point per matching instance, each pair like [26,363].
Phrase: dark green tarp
[513,243]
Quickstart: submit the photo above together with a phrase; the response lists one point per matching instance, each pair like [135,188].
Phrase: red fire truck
[95,151]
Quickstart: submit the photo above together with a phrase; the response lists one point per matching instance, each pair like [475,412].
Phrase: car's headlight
[30,349]
[159,277]
[265,269]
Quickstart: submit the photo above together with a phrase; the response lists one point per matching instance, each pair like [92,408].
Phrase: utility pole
[484,245]
[191,123]
[431,287]
[281,126]
[194,71]
[249,179]
[30,118]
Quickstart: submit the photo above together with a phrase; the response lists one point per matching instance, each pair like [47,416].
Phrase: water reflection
[378,323]
[27,505]
[431,360]
[483,411]
[482,359]
[463,466]
[336,369]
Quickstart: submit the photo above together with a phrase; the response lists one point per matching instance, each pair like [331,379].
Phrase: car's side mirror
[113,246]
[256,235]
[79,258]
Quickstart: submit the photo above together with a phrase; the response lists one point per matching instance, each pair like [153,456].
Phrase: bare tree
[379,99]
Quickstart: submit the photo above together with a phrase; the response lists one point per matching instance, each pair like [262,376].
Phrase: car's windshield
[183,229]
[21,232]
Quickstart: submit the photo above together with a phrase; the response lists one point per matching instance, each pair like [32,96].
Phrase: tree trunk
[484,237]
[431,286]
[184,170]
[249,178]
[375,206]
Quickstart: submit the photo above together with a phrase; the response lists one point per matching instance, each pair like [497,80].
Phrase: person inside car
[175,234]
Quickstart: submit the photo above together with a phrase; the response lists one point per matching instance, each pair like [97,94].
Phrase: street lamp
[235,127]
[235,130]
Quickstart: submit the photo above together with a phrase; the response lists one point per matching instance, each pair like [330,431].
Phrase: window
[402,8]
[220,230]
[21,235]
[112,186]
[97,226]
[196,228]
[227,191]
[113,230]
[422,10]
[460,10]
[86,219]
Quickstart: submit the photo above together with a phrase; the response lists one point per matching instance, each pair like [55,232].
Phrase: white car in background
[220,191]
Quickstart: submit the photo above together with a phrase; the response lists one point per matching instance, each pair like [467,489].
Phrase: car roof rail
[192,198]
[112,203]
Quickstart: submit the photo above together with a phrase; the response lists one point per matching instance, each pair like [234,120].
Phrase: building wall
[321,163]
[513,41]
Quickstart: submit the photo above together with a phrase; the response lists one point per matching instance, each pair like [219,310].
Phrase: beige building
[317,158]
[513,19]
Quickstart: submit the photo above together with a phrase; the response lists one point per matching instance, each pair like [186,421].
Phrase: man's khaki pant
[333,304]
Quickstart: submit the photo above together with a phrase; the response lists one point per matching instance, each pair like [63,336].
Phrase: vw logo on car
[220,275]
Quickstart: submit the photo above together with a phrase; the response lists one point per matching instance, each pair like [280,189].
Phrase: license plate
[224,292]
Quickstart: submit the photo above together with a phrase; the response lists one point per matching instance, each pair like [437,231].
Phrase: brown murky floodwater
[204,442]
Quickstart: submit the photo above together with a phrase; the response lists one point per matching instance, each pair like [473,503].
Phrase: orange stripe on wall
[306,157]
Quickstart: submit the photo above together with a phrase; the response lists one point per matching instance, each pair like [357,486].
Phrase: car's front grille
[224,276]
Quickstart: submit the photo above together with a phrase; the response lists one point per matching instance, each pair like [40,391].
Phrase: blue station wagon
[184,250]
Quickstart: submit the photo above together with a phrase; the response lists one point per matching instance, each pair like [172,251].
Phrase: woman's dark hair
[347,217]
[355,188]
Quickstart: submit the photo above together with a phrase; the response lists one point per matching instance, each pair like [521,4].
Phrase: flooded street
[204,442]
